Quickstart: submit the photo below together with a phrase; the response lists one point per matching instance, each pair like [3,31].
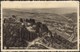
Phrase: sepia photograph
[39,26]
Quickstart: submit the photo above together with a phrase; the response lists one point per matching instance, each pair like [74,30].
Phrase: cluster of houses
[66,32]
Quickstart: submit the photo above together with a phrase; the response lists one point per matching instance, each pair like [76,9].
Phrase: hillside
[33,14]
[72,16]
[54,21]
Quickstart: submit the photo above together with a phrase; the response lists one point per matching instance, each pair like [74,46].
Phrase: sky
[60,7]
[39,4]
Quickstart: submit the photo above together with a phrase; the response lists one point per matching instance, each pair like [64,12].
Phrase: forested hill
[55,21]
